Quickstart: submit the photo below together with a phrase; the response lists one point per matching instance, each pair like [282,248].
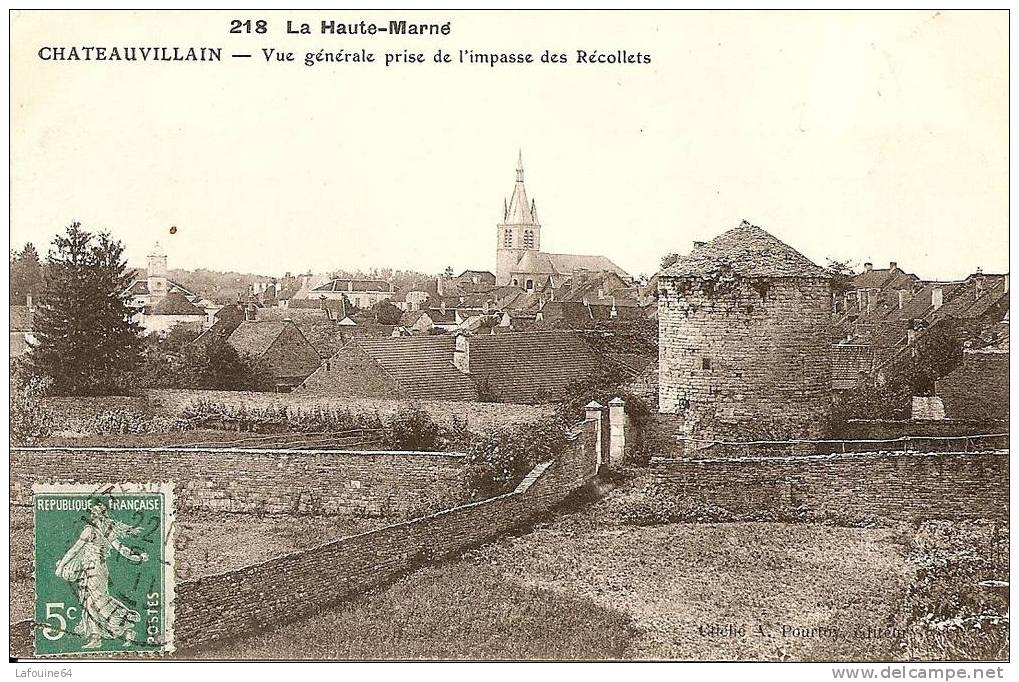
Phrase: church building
[519,258]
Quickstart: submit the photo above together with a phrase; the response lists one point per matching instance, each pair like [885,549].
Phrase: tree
[667,260]
[179,360]
[387,313]
[842,273]
[449,271]
[87,343]
[26,275]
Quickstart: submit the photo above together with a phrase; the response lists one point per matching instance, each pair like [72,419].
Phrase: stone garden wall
[916,486]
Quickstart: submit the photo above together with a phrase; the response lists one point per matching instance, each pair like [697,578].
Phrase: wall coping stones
[839,456]
[246,451]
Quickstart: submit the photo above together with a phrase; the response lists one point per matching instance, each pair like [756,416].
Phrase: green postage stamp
[103,568]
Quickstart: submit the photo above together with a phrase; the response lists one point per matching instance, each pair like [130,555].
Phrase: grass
[587,586]
[206,543]
[447,612]
[957,608]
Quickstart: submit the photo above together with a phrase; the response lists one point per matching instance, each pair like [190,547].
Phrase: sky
[879,136]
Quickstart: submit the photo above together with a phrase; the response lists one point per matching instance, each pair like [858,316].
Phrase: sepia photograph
[502,336]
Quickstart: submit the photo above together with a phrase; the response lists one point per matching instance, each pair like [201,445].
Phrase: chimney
[462,354]
[439,288]
[902,298]
[893,266]
[28,300]
[937,297]
[868,266]
[442,307]
[979,284]
[910,336]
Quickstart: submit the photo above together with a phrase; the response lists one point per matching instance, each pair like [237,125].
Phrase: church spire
[519,211]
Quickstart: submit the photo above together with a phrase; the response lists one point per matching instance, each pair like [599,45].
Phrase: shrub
[122,422]
[957,607]
[29,420]
[497,461]
[411,428]
[277,418]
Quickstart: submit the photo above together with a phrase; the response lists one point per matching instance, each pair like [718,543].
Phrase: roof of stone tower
[747,251]
[519,211]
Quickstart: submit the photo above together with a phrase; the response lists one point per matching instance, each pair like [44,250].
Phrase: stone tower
[157,272]
[745,341]
[519,231]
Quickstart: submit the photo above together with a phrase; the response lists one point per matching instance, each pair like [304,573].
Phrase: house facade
[160,304]
[363,293]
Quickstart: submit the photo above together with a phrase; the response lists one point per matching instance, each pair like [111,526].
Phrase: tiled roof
[140,287]
[999,342]
[21,318]
[355,285]
[632,364]
[482,275]
[174,303]
[439,316]
[422,366]
[541,263]
[746,251]
[577,315]
[847,361]
[883,279]
[974,297]
[255,338]
[529,367]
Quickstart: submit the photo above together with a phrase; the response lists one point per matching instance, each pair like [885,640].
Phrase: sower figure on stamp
[85,567]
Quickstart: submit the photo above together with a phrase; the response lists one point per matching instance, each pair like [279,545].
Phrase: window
[705,363]
[530,285]
[528,239]
[507,238]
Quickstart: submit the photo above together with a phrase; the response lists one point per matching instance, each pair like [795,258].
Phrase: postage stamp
[104,579]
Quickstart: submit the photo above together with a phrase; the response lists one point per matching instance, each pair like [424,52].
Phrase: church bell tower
[519,231]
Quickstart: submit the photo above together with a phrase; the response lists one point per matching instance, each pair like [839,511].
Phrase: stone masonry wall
[303,583]
[978,388]
[747,359]
[900,486]
[391,485]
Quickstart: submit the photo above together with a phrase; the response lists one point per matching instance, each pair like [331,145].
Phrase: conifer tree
[86,342]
